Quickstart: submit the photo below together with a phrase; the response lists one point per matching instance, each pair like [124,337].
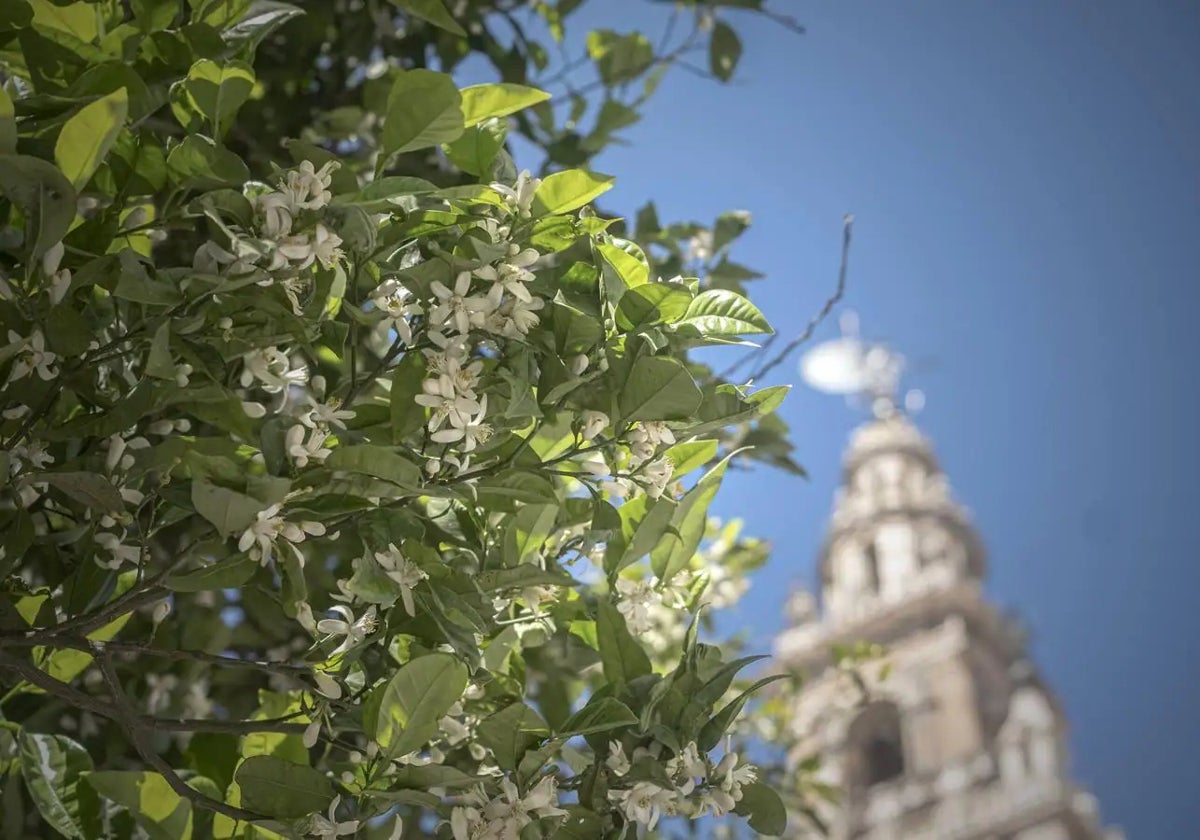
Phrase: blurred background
[1025,178]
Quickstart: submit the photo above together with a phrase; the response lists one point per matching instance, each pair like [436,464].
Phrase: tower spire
[962,740]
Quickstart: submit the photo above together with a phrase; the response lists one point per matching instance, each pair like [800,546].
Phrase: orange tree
[350,480]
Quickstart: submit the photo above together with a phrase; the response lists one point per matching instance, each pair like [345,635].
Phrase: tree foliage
[351,480]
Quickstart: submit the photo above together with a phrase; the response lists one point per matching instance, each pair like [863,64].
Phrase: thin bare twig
[814,322]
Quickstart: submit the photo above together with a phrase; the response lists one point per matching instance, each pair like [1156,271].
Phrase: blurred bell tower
[961,740]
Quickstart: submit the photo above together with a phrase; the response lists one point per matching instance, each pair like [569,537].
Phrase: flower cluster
[504,816]
[698,786]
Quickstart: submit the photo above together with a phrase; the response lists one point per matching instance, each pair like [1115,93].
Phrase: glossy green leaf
[158,809]
[278,788]
[522,576]
[601,715]
[424,109]
[77,19]
[378,461]
[153,15]
[569,190]
[481,102]
[86,138]
[416,698]
[53,766]
[229,512]
[510,732]
[658,388]
[90,489]
[622,657]
[433,11]
[476,149]
[158,360]
[199,162]
[680,542]
[527,532]
[225,574]
[652,303]
[45,196]
[645,530]
[721,312]
[686,456]
[217,91]
[8,124]
[762,804]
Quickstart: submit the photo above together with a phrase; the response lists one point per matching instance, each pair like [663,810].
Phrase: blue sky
[1026,181]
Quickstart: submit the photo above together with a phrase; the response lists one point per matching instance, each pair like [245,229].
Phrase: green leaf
[480,102]
[510,732]
[46,199]
[225,574]
[622,657]
[159,810]
[90,489]
[416,698]
[527,531]
[721,312]
[153,15]
[78,19]
[217,92]
[598,716]
[627,262]
[619,58]
[433,11]
[279,788]
[8,125]
[687,524]
[407,415]
[685,457]
[643,536]
[475,151]
[715,729]
[652,303]
[263,18]
[158,361]
[213,755]
[87,137]
[522,576]
[569,190]
[762,804]
[424,109]
[425,776]
[229,512]
[200,163]
[724,50]
[729,227]
[52,766]
[658,388]
[378,461]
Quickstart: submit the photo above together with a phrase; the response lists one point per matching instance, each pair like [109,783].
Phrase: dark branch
[814,322]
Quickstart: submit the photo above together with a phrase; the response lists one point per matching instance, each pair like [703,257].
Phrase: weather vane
[862,372]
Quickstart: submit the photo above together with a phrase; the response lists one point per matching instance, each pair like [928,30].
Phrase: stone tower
[961,740]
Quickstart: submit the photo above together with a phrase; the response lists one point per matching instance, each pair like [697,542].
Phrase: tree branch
[60,640]
[137,736]
[832,301]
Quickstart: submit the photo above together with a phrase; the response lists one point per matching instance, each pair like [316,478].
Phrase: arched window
[875,746]
[885,760]
[871,561]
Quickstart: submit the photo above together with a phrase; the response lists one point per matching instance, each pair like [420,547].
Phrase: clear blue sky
[1026,181]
